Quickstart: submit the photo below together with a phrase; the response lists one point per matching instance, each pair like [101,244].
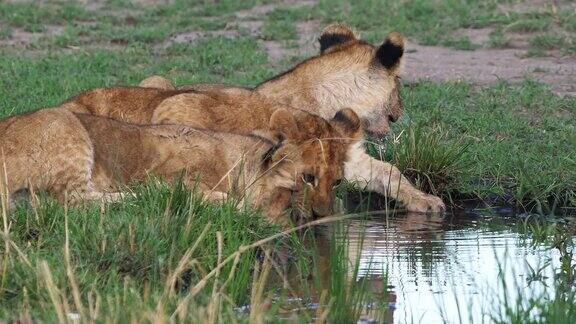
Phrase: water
[447,269]
[437,269]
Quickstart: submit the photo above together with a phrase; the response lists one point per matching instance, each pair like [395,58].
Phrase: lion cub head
[348,72]
[315,151]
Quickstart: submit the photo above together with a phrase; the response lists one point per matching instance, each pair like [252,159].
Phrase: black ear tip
[335,34]
[345,114]
[348,118]
[390,52]
[328,40]
[395,38]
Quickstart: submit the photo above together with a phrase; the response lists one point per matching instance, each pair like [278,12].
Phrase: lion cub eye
[309,179]
[337,183]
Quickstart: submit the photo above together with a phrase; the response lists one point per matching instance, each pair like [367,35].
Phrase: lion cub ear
[335,35]
[389,54]
[348,123]
[284,122]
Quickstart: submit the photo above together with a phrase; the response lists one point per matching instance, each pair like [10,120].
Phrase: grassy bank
[512,144]
[164,254]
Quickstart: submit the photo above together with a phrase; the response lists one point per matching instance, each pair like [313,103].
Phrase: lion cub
[296,163]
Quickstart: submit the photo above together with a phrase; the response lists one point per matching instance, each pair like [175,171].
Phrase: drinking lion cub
[89,157]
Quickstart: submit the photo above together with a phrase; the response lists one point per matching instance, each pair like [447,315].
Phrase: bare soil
[21,37]
[486,66]
[536,5]
[250,21]
[254,12]
[194,36]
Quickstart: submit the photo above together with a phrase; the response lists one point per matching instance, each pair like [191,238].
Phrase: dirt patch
[251,26]
[21,37]
[479,37]
[275,51]
[195,36]
[537,5]
[308,32]
[486,66]
[307,45]
[94,5]
[151,2]
[256,11]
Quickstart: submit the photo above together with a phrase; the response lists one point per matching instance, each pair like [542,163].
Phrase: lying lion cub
[348,72]
[89,157]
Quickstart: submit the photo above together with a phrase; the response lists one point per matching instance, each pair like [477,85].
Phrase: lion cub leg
[106,197]
[215,196]
[74,183]
[77,195]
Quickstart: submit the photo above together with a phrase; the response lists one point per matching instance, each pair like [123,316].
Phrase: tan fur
[88,156]
[157,82]
[31,150]
[345,74]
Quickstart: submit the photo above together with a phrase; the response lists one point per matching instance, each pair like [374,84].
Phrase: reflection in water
[445,269]
[439,269]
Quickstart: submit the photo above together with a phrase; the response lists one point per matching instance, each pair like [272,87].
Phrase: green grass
[279,30]
[118,252]
[5,32]
[280,24]
[530,24]
[567,19]
[461,43]
[518,139]
[125,22]
[32,17]
[29,83]
[513,142]
[426,159]
[548,41]
[437,23]
[498,39]
[145,258]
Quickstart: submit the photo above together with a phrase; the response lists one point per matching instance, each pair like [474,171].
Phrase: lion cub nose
[323,209]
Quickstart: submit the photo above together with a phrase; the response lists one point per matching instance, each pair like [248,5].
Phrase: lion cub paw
[216,196]
[426,204]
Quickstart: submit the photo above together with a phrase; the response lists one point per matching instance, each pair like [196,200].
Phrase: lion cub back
[130,104]
[47,149]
